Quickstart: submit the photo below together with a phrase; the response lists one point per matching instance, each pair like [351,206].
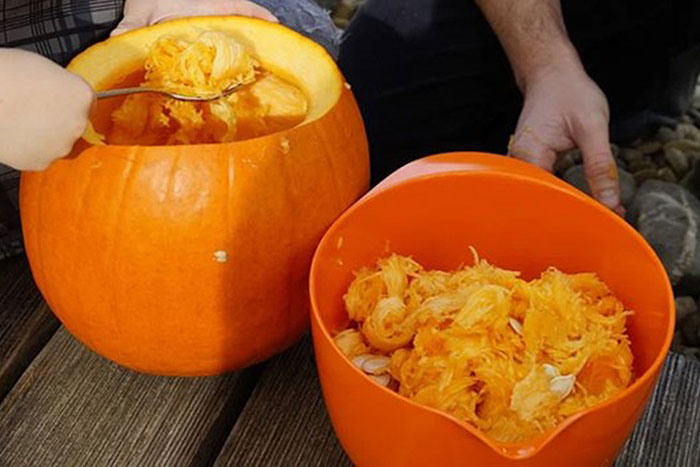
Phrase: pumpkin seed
[516,325]
[382,380]
[377,365]
[359,360]
[562,385]
[551,370]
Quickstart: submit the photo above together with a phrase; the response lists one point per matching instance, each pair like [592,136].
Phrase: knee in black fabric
[430,76]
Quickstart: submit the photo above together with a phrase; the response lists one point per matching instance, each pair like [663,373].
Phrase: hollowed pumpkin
[193,259]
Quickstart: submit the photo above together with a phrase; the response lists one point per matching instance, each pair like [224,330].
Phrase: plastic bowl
[517,217]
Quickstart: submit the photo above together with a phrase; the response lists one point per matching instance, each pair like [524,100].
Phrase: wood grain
[285,421]
[71,407]
[26,324]
[669,432]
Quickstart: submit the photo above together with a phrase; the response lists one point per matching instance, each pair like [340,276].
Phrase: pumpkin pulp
[204,65]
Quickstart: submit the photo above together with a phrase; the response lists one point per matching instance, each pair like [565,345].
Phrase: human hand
[565,109]
[44,109]
[140,13]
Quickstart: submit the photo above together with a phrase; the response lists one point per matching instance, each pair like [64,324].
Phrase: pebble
[615,149]
[685,145]
[666,134]
[621,164]
[677,160]
[667,175]
[685,306]
[576,177]
[566,160]
[677,342]
[641,164]
[630,155]
[575,155]
[689,328]
[650,147]
[344,11]
[691,180]
[668,217]
[659,159]
[688,131]
[641,176]
[694,114]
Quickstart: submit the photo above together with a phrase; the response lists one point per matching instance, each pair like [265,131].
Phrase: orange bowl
[517,217]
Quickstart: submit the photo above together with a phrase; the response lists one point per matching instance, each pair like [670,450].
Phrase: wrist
[560,59]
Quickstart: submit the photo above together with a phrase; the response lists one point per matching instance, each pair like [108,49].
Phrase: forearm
[533,35]
[140,13]
[43,109]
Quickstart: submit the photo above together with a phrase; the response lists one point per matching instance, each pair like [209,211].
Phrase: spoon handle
[181,97]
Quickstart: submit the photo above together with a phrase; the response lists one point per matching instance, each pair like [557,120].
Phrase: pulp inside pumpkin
[265,104]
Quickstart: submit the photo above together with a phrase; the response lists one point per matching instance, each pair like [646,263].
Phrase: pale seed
[551,370]
[516,325]
[382,380]
[359,360]
[376,365]
[562,385]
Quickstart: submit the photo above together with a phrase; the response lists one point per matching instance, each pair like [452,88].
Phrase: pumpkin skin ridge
[165,340]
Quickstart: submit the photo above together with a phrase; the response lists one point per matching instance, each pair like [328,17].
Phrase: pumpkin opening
[283,86]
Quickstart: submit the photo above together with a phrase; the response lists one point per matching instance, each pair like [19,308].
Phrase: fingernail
[608,197]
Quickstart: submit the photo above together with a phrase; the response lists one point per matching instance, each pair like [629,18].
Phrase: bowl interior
[513,222]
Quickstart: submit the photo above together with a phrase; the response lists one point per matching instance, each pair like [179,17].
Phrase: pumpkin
[193,259]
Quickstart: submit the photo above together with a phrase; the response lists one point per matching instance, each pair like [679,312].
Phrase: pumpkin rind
[193,260]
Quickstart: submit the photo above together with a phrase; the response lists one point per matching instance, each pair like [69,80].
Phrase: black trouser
[430,75]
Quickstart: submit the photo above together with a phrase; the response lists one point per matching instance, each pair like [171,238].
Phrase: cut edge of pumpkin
[275,46]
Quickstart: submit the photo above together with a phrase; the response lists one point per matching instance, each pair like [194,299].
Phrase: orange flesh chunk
[514,358]
[204,67]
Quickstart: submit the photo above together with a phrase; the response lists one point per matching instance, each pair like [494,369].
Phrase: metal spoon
[181,97]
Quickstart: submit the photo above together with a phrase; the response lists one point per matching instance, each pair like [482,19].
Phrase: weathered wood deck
[61,404]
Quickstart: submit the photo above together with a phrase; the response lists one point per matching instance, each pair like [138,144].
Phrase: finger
[599,164]
[526,145]
[219,8]
[123,27]
[254,10]
[238,8]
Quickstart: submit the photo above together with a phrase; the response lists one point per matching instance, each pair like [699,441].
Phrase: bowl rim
[527,449]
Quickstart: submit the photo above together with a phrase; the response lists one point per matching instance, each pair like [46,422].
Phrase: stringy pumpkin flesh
[514,358]
[205,66]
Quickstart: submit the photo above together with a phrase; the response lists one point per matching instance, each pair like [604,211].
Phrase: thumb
[123,27]
[599,164]
[250,9]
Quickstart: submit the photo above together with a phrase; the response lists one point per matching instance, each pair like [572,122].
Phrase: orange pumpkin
[194,259]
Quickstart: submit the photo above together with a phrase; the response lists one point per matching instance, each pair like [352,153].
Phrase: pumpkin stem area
[206,65]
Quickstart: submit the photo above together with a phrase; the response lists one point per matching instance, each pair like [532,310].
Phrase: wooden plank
[72,407]
[669,431]
[26,324]
[285,422]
